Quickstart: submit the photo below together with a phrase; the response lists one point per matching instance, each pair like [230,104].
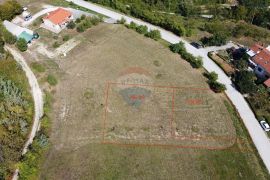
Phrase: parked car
[197,45]
[265,125]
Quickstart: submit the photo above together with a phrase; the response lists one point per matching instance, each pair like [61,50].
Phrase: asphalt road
[258,136]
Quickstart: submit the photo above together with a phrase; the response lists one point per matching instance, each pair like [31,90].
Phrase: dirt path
[37,97]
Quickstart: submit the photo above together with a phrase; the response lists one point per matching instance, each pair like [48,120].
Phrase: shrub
[22,45]
[66,38]
[78,20]
[2,43]
[121,21]
[178,47]
[198,62]
[153,34]
[142,29]
[217,87]
[245,81]
[83,17]
[56,44]
[132,25]
[95,20]
[80,28]
[212,76]
[71,25]
[218,39]
[9,38]
[51,80]
[38,67]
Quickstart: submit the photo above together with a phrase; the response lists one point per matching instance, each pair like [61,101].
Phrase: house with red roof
[260,58]
[58,19]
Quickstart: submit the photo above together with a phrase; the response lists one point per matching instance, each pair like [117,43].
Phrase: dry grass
[83,99]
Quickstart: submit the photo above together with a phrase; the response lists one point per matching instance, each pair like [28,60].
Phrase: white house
[57,20]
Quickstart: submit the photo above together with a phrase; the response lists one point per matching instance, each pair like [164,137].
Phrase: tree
[245,81]
[212,76]
[2,43]
[8,37]
[9,10]
[22,45]
[71,25]
[154,34]
[217,87]
[217,39]
[241,12]
[142,29]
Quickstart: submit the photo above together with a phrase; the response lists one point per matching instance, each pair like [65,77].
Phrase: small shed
[26,36]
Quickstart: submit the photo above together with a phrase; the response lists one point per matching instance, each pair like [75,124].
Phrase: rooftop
[263,59]
[58,16]
[267,83]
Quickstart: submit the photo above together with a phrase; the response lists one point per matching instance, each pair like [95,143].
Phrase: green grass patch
[51,79]
[37,67]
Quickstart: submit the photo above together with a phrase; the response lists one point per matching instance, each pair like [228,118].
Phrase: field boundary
[172,116]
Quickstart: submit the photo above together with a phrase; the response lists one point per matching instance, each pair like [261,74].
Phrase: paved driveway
[258,136]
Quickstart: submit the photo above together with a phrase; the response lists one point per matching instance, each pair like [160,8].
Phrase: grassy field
[125,107]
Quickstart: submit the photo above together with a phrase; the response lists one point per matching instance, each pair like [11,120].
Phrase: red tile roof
[263,59]
[58,16]
[267,82]
[256,48]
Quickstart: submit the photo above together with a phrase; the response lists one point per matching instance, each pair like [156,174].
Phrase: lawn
[126,107]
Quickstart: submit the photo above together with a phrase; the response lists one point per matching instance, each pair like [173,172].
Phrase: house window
[259,69]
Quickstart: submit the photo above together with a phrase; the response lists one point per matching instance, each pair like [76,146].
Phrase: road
[37,97]
[258,136]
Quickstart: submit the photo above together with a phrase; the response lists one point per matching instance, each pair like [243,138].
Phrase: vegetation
[22,44]
[153,34]
[213,83]
[218,39]
[245,81]
[85,23]
[71,25]
[16,113]
[184,17]
[51,79]
[31,162]
[9,9]
[180,48]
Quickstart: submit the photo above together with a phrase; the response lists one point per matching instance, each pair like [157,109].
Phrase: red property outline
[106,92]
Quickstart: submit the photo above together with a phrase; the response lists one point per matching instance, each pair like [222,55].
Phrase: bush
[9,38]
[245,81]
[153,34]
[22,45]
[218,39]
[178,47]
[132,25]
[66,38]
[71,25]
[121,21]
[83,17]
[198,62]
[217,87]
[2,44]
[212,76]
[95,20]
[142,29]
[51,80]
[56,44]
[78,20]
[80,28]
